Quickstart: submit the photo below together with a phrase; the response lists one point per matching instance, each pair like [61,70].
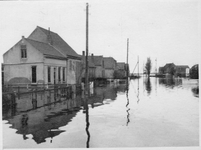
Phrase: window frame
[49,74]
[23,49]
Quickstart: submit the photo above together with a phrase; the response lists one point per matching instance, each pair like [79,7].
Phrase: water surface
[153,112]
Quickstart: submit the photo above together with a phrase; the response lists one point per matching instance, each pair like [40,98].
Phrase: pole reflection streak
[87,123]
[128,109]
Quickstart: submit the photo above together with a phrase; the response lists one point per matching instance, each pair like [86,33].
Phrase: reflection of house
[46,121]
[43,57]
[110,66]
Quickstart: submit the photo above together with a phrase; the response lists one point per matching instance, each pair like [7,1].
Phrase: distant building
[91,67]
[194,72]
[109,66]
[99,64]
[43,57]
[121,70]
[182,71]
[169,69]
[176,70]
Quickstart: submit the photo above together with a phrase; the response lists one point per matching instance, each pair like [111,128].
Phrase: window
[23,51]
[59,74]
[64,74]
[49,74]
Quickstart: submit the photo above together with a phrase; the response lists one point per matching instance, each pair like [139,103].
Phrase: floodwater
[152,113]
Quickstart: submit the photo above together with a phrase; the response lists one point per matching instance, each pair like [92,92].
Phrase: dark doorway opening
[33,68]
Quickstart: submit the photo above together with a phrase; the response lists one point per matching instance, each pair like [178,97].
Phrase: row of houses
[101,67]
[175,70]
[44,57]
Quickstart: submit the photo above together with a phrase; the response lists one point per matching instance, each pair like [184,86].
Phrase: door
[33,69]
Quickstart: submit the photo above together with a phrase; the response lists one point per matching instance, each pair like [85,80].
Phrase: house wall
[109,73]
[187,72]
[22,74]
[13,55]
[17,69]
[71,71]
[99,72]
[91,72]
[54,63]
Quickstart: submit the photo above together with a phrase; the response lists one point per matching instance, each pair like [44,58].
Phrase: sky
[167,31]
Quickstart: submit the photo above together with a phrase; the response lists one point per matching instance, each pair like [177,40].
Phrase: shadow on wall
[19,80]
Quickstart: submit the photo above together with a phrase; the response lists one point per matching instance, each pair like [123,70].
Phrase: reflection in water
[148,85]
[138,92]
[24,125]
[86,111]
[87,123]
[170,82]
[42,114]
[195,91]
[128,115]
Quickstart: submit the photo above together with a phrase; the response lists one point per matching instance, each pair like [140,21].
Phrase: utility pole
[138,65]
[127,58]
[86,67]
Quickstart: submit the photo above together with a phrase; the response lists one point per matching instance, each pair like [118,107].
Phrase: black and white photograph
[117,74]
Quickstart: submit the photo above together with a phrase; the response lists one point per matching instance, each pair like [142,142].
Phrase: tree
[148,66]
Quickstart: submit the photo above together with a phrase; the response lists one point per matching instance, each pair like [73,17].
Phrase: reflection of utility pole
[128,120]
[87,123]
[128,114]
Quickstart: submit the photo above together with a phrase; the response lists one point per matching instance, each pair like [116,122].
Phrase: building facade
[175,70]
[99,64]
[91,67]
[44,57]
[110,65]
[121,70]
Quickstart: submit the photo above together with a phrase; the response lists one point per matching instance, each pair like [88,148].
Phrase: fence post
[18,89]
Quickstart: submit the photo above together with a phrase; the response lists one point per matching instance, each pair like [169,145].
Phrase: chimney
[49,38]
[23,39]
[83,53]
[92,57]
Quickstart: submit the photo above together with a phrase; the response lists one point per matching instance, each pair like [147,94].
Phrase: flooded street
[153,113]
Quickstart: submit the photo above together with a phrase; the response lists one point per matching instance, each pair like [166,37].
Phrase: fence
[11,93]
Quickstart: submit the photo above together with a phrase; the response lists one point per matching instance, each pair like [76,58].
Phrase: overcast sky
[167,30]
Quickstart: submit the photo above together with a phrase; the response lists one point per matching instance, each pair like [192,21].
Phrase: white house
[43,57]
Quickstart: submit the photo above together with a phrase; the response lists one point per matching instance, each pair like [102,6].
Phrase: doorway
[33,70]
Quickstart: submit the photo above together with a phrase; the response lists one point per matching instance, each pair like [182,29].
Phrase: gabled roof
[169,65]
[90,62]
[59,44]
[109,62]
[45,48]
[97,60]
